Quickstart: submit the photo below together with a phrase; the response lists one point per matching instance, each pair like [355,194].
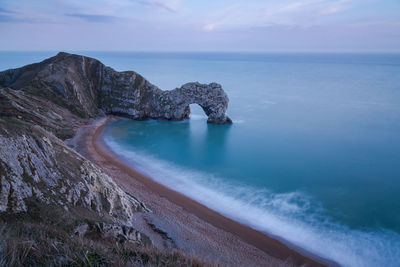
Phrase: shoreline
[267,244]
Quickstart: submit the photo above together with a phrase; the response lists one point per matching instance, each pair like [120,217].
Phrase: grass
[38,244]
[46,239]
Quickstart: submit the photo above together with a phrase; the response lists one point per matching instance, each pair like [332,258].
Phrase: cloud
[209,27]
[198,25]
[331,10]
[3,10]
[167,5]
[8,16]
[246,14]
[92,18]
[315,7]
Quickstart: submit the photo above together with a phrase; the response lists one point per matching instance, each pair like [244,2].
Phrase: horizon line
[219,51]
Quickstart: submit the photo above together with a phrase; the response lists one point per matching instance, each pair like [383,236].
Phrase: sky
[202,25]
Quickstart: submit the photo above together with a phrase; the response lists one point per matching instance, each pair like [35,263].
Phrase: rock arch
[211,98]
[88,88]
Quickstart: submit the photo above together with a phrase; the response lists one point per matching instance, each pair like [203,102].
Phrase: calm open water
[313,156]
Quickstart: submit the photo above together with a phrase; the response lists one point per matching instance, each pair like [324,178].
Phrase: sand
[178,222]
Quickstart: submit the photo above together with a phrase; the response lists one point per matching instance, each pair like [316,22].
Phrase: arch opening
[197,112]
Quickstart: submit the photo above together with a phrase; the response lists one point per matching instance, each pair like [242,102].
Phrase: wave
[294,217]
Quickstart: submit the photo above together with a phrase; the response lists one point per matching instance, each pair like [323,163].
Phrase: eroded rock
[115,232]
[36,166]
[86,87]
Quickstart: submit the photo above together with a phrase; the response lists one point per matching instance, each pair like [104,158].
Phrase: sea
[312,157]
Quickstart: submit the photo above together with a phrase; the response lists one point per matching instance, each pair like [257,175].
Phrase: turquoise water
[313,156]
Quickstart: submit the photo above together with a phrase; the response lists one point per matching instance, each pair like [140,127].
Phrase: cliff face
[37,168]
[31,109]
[67,80]
[86,87]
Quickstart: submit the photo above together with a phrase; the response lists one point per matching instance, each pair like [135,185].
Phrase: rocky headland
[63,202]
[88,89]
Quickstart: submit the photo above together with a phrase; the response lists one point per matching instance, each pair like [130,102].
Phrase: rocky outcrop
[174,104]
[37,167]
[22,106]
[113,232]
[87,88]
[66,80]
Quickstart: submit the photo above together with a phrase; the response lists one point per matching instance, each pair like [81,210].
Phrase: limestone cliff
[34,110]
[37,168]
[86,87]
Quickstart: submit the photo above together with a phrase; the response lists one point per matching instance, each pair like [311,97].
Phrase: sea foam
[293,217]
